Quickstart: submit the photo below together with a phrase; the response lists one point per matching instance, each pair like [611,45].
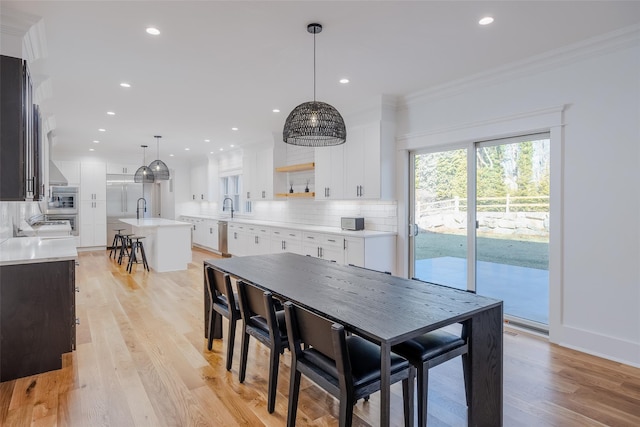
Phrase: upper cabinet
[204,181]
[70,169]
[330,165]
[121,169]
[258,171]
[361,168]
[21,159]
[93,181]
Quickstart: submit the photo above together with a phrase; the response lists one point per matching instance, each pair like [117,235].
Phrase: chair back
[219,285]
[319,333]
[255,302]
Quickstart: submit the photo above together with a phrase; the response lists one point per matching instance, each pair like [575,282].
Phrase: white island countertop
[154,222]
[29,250]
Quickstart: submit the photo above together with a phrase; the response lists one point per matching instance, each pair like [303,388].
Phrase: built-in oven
[72,218]
[64,200]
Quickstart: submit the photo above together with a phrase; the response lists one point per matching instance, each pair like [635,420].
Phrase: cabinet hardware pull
[77,289]
[77,320]
[331,240]
[344,244]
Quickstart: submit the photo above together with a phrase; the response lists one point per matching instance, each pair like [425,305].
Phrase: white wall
[589,98]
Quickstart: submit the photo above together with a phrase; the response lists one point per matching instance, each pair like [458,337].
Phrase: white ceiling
[218,65]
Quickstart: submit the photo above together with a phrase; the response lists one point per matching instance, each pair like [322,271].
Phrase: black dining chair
[348,367]
[261,320]
[430,350]
[224,302]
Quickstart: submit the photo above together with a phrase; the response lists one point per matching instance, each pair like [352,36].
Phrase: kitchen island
[167,243]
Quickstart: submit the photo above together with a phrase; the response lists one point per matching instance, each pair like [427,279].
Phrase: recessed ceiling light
[210,152]
[125,85]
[186,149]
[275,110]
[207,140]
[170,155]
[153,31]
[91,149]
[486,20]
[102,130]
[232,146]
[111,113]
[344,81]
[234,128]
[221,149]
[95,141]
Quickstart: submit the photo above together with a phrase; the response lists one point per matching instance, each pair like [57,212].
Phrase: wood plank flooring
[141,360]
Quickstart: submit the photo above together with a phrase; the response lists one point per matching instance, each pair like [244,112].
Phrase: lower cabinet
[93,223]
[375,251]
[324,246]
[37,317]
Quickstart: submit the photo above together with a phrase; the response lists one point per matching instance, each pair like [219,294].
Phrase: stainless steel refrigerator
[122,195]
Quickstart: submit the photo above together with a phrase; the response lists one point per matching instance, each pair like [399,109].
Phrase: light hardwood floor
[141,360]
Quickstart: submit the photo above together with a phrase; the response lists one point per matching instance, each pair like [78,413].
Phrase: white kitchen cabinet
[93,223]
[93,204]
[375,252]
[324,246]
[238,240]
[329,172]
[122,169]
[212,230]
[258,172]
[93,181]
[286,240]
[258,240]
[200,182]
[200,231]
[362,156]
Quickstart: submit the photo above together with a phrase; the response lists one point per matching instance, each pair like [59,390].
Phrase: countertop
[30,250]
[154,222]
[294,226]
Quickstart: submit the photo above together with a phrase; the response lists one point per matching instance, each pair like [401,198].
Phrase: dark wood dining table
[387,310]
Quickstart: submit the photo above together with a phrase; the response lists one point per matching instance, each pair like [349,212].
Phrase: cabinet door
[12,130]
[212,240]
[121,169]
[199,182]
[93,223]
[329,171]
[93,181]
[354,251]
[362,163]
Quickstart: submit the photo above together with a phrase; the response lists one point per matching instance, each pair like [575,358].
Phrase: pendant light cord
[314,66]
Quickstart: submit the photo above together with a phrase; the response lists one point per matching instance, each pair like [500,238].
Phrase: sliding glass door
[502,188]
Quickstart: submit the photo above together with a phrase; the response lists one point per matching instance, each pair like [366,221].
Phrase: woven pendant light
[314,124]
[159,168]
[144,174]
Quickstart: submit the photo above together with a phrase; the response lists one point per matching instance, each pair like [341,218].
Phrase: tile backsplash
[11,213]
[378,215]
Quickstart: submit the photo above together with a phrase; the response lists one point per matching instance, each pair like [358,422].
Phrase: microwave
[352,223]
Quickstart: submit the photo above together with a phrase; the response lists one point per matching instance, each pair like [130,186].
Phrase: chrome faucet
[224,206]
[144,207]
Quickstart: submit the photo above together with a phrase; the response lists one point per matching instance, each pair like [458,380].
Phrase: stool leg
[144,257]
[114,245]
[132,256]
[123,248]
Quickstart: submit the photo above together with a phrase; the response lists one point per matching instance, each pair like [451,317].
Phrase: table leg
[486,352]
[385,384]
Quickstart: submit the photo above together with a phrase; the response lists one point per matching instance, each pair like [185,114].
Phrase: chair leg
[408,397]
[466,370]
[244,351]
[230,342]
[423,398]
[346,411]
[212,320]
[273,379]
[294,391]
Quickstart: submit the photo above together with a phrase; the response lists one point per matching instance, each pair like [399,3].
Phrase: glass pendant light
[159,168]
[315,123]
[144,174]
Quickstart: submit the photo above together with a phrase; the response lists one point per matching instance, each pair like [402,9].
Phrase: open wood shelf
[309,195]
[297,168]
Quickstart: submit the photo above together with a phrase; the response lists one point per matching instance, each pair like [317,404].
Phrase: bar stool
[115,249]
[124,248]
[136,245]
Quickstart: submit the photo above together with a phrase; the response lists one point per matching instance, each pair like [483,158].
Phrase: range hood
[55,176]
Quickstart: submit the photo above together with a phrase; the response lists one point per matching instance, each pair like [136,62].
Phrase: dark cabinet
[20,134]
[37,317]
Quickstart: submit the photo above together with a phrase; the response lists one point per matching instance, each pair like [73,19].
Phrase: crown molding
[34,43]
[607,43]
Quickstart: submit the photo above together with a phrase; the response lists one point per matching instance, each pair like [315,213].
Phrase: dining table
[386,310]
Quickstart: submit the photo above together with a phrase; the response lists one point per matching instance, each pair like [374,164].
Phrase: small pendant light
[314,124]
[144,174]
[159,168]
